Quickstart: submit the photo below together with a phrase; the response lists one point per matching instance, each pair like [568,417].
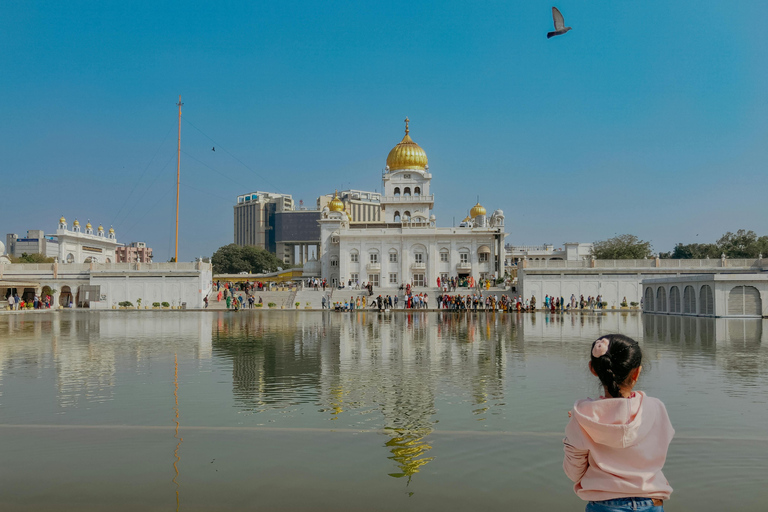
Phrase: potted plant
[308,306]
[114,305]
[298,304]
[155,305]
[633,304]
[126,304]
[271,305]
[258,304]
[166,305]
[138,303]
[604,305]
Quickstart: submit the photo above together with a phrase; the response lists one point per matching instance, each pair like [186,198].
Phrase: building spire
[406,125]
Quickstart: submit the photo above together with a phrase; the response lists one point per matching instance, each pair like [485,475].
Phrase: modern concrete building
[36,242]
[133,252]
[254,218]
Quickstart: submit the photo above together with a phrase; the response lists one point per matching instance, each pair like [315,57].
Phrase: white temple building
[77,246]
[408,247]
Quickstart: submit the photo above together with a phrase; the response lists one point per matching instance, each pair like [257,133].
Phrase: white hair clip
[600,348]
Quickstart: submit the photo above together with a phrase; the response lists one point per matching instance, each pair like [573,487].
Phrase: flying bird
[213,148]
[560,27]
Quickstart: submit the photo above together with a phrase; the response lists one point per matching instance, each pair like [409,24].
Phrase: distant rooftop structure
[571,251]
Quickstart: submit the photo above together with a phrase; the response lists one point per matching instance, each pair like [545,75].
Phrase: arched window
[648,303]
[393,256]
[444,255]
[661,299]
[416,191]
[744,301]
[373,256]
[397,216]
[407,216]
[407,191]
[397,191]
[674,299]
[334,261]
[706,301]
[70,258]
[354,256]
[689,301]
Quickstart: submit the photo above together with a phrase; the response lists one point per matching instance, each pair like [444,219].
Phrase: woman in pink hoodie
[616,446]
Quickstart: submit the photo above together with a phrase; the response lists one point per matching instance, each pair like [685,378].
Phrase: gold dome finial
[112,230]
[88,226]
[407,154]
[101,228]
[477,210]
[76,223]
[336,204]
[62,220]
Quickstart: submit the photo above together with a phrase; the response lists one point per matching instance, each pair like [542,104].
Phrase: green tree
[693,251]
[742,244]
[622,247]
[32,258]
[233,259]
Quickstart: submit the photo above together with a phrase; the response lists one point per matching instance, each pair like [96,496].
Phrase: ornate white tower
[405,182]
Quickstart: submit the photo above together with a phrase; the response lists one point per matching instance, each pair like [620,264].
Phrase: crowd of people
[16,303]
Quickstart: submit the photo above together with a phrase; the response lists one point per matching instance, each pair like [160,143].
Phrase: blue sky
[648,118]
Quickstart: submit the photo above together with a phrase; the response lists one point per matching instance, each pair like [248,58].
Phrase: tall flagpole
[178,182]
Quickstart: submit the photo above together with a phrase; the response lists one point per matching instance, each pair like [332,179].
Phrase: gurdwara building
[406,246]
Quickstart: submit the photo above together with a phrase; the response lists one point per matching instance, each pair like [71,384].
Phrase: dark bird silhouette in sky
[560,27]
[213,148]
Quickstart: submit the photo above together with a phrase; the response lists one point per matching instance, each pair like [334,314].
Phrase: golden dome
[336,204]
[101,228]
[407,154]
[62,220]
[467,219]
[476,211]
[76,223]
[112,230]
[88,226]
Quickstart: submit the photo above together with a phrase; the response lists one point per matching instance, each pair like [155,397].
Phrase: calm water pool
[292,411]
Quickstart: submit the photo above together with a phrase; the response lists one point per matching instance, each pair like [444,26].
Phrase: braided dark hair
[613,367]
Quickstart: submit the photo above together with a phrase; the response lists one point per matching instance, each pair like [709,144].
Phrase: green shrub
[258,304]
[633,304]
[166,305]
[605,304]
[155,304]
[271,304]
[126,304]
[298,304]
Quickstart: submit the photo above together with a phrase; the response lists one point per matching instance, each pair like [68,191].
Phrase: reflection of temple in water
[368,370]
[85,346]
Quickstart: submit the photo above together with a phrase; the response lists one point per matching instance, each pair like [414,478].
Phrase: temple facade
[408,247]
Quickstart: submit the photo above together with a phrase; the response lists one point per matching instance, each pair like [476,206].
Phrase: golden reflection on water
[408,449]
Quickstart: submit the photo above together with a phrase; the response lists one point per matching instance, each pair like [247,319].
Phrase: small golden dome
[467,219]
[407,154]
[336,204]
[62,220]
[476,210]
[112,230]
[76,223]
[88,226]
[101,228]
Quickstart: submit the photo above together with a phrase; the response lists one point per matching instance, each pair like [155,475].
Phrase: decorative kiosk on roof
[78,247]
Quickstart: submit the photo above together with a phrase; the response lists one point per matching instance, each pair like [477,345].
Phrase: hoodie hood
[616,422]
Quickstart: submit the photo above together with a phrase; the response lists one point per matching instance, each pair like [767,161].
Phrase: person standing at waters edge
[616,446]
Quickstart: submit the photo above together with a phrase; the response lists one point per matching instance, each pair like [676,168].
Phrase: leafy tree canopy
[742,244]
[622,247]
[233,259]
[32,258]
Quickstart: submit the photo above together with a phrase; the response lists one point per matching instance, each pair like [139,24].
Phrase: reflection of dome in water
[407,154]
[407,448]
